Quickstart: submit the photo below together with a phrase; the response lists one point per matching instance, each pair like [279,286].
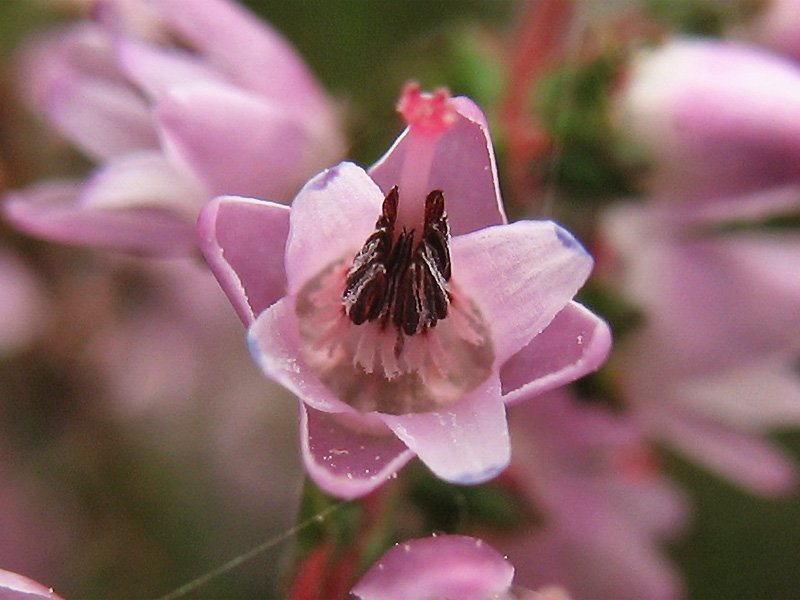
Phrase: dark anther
[402,281]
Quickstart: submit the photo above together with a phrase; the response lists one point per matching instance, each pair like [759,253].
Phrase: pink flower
[17,587]
[178,101]
[717,118]
[447,566]
[714,366]
[601,506]
[397,339]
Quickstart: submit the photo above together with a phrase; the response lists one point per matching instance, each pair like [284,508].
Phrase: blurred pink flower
[178,101]
[714,366]
[717,118]
[601,506]
[445,566]
[17,587]
[434,360]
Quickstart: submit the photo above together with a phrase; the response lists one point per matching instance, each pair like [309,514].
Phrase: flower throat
[400,281]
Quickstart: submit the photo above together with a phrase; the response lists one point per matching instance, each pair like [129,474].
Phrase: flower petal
[575,343]
[755,397]
[143,180]
[274,344]
[520,276]
[346,462]
[466,443]
[52,210]
[448,566]
[104,118]
[755,464]
[331,218]
[244,242]
[256,56]
[235,141]
[16,587]
[156,70]
[463,168]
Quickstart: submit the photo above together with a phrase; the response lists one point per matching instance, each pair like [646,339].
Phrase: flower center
[390,332]
[397,280]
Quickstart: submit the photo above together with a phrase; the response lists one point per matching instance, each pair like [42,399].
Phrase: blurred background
[139,445]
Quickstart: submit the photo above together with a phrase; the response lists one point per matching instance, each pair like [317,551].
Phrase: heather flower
[177,101]
[713,367]
[18,587]
[717,118]
[446,566]
[399,339]
[600,507]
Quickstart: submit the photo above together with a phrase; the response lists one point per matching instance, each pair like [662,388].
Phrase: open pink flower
[398,339]
[445,566]
[179,101]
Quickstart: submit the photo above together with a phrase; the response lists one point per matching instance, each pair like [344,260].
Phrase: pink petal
[235,141]
[244,241]
[463,168]
[51,210]
[520,276]
[465,443]
[346,462]
[17,587]
[79,50]
[104,118]
[596,557]
[448,566]
[760,205]
[332,216]
[156,70]
[254,55]
[755,397]
[745,459]
[575,343]
[143,180]
[275,345]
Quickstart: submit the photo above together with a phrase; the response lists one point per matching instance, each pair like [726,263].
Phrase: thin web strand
[249,555]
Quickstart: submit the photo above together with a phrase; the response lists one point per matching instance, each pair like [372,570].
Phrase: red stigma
[426,112]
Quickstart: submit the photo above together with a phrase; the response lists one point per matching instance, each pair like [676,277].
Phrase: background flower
[178,102]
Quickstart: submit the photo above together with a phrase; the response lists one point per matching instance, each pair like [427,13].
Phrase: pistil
[429,116]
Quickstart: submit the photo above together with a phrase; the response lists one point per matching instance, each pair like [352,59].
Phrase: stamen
[394,282]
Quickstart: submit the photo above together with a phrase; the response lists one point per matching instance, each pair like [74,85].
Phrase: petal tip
[568,240]
[476,478]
